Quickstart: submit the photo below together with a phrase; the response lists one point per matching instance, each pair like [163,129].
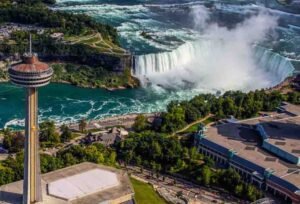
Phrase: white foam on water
[200,61]
[15,123]
[224,60]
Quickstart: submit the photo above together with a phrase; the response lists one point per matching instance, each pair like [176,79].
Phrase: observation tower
[31,74]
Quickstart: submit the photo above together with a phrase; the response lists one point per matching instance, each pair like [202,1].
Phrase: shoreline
[125,121]
[285,83]
[86,87]
[128,119]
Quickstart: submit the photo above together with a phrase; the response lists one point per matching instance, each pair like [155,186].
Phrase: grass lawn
[96,41]
[145,194]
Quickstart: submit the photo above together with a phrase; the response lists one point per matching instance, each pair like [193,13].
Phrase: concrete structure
[85,183]
[261,149]
[31,74]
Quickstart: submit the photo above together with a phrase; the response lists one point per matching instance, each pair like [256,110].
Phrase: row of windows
[31,84]
[48,71]
[234,165]
[30,79]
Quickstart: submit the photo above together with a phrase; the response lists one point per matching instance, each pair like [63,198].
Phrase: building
[57,35]
[31,74]
[263,150]
[107,138]
[85,183]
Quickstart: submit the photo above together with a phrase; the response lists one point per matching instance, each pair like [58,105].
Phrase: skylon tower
[31,74]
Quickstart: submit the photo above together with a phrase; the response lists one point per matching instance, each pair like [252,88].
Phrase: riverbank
[87,77]
[87,55]
[125,121]
[290,84]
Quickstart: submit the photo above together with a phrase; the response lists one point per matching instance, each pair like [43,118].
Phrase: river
[190,49]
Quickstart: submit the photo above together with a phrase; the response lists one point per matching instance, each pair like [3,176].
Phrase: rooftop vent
[250,148]
[296,151]
[270,159]
[280,143]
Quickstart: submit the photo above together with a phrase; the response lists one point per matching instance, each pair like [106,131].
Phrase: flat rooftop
[85,183]
[291,108]
[285,134]
[283,129]
[245,140]
[82,184]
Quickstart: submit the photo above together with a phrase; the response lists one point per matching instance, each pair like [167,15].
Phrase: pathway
[193,123]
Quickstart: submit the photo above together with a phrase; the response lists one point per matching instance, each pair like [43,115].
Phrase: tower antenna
[30,45]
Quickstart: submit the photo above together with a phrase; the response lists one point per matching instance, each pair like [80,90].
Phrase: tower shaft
[32,189]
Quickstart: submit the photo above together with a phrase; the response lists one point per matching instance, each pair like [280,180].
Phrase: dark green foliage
[95,153]
[155,151]
[232,103]
[140,123]
[11,169]
[174,118]
[206,175]
[39,14]
[230,180]
[66,133]
[32,2]
[6,175]
[191,112]
[85,76]
[82,124]
[13,141]
[48,133]
[293,97]
[166,154]
[53,49]
[50,163]
[16,164]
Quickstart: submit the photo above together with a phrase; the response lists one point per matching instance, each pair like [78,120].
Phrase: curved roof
[30,64]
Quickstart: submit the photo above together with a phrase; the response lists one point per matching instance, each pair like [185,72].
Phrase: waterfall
[275,65]
[175,59]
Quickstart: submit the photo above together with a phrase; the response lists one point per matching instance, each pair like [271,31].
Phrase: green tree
[112,158]
[191,113]
[239,190]
[6,175]
[174,118]
[82,124]
[252,193]
[13,141]
[69,159]
[48,132]
[140,123]
[50,163]
[8,137]
[229,179]
[206,175]
[66,133]
[293,97]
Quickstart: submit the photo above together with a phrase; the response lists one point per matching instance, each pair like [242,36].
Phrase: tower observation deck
[31,74]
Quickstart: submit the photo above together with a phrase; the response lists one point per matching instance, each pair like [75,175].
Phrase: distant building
[107,138]
[57,35]
[85,183]
[265,151]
